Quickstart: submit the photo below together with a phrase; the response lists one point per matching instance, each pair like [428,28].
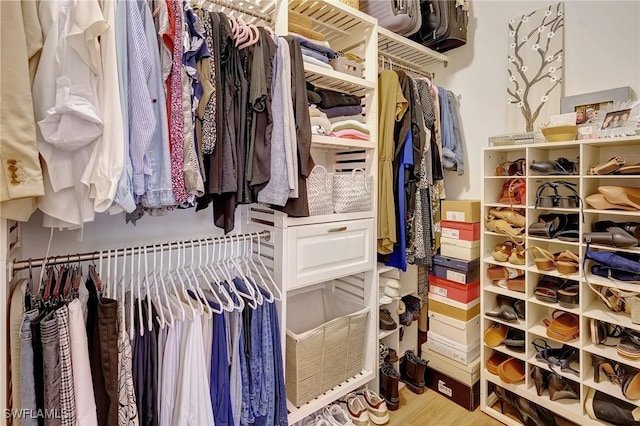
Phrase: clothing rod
[21,265]
[232,6]
[403,65]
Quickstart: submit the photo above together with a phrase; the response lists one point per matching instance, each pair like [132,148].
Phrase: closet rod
[20,265]
[405,66]
[232,6]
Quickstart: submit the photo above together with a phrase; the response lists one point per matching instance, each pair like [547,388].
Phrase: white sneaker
[336,416]
[376,405]
[357,410]
[390,282]
[384,299]
[315,420]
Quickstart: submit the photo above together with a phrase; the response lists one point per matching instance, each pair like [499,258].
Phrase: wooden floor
[431,408]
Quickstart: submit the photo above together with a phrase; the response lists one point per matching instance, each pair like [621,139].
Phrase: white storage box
[468,374]
[449,348]
[464,333]
[325,343]
[459,249]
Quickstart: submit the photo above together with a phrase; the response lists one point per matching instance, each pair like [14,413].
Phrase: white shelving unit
[591,152]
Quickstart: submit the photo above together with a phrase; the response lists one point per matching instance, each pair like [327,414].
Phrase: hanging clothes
[392,106]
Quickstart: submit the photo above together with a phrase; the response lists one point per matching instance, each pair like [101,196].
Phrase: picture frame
[618,119]
[587,105]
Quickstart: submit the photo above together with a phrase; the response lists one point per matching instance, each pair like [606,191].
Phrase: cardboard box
[464,293]
[457,270]
[464,354]
[467,374]
[461,210]
[465,396]
[460,230]
[451,308]
[463,332]
[458,250]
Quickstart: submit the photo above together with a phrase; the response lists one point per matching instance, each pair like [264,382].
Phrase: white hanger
[200,308]
[227,279]
[251,285]
[131,296]
[140,318]
[185,295]
[249,258]
[253,303]
[212,279]
[204,278]
[277,292]
[162,321]
[208,309]
[145,281]
[182,313]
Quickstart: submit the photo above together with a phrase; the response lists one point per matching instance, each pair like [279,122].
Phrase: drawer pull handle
[338,229]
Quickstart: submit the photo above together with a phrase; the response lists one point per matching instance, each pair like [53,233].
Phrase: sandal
[568,295]
[502,251]
[514,191]
[609,166]
[502,272]
[495,334]
[501,226]
[556,357]
[567,262]
[495,360]
[560,166]
[564,326]
[517,256]
[506,309]
[544,259]
[511,370]
[512,216]
[629,346]
[547,289]
[602,331]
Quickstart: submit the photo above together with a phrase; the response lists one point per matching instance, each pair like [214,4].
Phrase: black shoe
[600,406]
[389,379]
[412,370]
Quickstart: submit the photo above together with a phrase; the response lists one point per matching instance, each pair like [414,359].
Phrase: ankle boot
[604,407]
[389,379]
[412,370]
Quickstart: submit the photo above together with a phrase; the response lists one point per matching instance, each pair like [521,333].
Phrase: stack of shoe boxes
[453,340]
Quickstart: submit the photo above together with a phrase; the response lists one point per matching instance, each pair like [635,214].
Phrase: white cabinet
[590,152]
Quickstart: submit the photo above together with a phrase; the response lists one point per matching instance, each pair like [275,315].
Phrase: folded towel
[333,120]
[331,98]
[318,118]
[349,124]
[342,110]
[298,18]
[318,42]
[314,61]
[350,134]
[307,32]
[315,112]
[315,54]
[317,47]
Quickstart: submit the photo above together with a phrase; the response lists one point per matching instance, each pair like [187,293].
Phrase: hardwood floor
[431,408]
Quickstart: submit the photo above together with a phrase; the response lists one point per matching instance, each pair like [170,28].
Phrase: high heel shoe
[532,414]
[561,388]
[506,311]
[557,357]
[631,386]
[611,369]
[598,202]
[541,379]
[621,195]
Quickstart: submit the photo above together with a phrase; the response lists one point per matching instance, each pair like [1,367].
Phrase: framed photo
[619,119]
[586,106]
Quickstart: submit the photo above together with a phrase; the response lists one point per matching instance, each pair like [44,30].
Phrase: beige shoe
[378,413]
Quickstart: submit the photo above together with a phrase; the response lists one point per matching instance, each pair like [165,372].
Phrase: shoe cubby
[500,157]
[613,375]
[543,283]
[588,307]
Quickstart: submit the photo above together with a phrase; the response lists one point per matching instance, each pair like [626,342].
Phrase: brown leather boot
[412,369]
[389,379]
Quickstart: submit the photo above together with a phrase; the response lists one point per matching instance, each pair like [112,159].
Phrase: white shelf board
[554,273]
[298,413]
[492,261]
[611,176]
[599,311]
[385,333]
[327,218]
[553,209]
[599,142]
[553,177]
[407,52]
[382,268]
[499,290]
[575,310]
[336,80]
[635,213]
[518,324]
[331,142]
[553,240]
[515,206]
[611,353]
[598,280]
[505,350]
[634,250]
[609,388]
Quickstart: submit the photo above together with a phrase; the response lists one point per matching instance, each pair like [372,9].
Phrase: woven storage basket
[352,191]
[320,191]
[325,343]
[353,3]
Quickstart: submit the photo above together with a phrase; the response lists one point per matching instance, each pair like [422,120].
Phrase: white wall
[602,51]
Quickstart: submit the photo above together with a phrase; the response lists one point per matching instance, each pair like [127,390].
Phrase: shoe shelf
[327,78]
[407,52]
[519,325]
[331,142]
[298,413]
[508,351]
[590,152]
[386,333]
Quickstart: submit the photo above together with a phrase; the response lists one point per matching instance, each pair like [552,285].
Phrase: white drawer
[330,250]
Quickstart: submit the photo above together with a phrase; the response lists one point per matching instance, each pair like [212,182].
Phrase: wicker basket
[325,344]
[353,3]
